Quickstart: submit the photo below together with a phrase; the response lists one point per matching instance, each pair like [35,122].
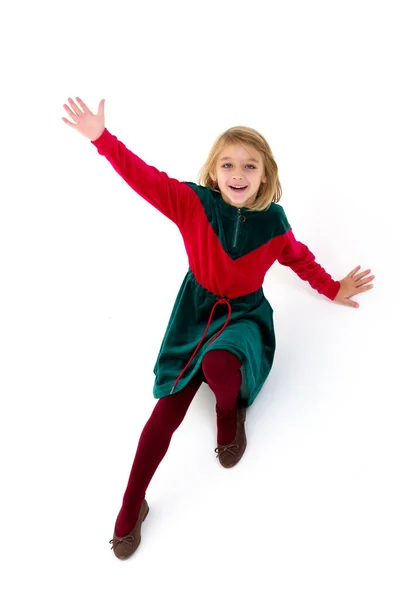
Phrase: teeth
[238,187]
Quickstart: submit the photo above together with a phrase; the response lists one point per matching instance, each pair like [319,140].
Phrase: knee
[219,365]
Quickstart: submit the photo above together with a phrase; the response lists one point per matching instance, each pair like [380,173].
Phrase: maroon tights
[222,372]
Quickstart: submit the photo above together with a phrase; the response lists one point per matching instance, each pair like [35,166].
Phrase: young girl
[221,328]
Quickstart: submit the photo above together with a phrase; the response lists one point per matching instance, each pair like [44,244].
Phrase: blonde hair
[268,192]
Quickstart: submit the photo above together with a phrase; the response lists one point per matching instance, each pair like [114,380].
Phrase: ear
[264,177]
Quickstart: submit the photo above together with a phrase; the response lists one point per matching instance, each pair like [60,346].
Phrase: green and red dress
[221,303]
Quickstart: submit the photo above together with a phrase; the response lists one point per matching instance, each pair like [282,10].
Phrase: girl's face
[237,166]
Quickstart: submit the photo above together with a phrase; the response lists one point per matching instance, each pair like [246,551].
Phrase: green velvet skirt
[248,334]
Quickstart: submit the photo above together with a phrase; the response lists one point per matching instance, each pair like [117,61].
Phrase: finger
[69,123]
[354,271]
[363,289]
[365,280]
[70,112]
[350,303]
[75,107]
[83,105]
[100,110]
[363,274]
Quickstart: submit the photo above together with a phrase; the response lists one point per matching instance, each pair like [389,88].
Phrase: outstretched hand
[84,121]
[354,283]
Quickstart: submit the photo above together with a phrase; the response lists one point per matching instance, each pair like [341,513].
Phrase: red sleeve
[299,258]
[171,197]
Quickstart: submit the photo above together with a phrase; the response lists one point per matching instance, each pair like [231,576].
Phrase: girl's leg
[166,417]
[222,373]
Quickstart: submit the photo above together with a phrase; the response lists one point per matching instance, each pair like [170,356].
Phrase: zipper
[240,219]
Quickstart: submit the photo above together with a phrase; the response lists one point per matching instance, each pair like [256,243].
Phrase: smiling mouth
[238,190]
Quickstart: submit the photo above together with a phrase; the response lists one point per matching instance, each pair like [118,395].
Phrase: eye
[249,165]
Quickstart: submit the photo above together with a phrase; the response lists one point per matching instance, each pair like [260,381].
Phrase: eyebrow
[247,160]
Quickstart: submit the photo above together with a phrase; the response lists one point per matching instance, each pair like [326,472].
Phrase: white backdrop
[89,273]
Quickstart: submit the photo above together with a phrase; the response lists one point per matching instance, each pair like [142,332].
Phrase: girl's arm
[299,258]
[171,197]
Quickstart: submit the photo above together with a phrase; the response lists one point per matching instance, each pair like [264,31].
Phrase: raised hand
[84,121]
[354,283]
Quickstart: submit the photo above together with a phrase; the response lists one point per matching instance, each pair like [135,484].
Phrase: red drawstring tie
[219,301]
